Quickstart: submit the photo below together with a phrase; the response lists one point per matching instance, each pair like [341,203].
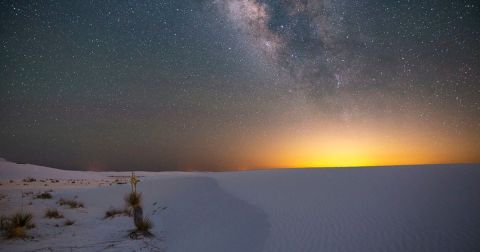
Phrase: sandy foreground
[423,208]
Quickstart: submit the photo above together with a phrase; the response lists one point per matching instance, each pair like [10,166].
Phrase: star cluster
[239,84]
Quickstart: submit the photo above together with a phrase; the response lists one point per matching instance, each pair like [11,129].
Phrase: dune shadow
[201,216]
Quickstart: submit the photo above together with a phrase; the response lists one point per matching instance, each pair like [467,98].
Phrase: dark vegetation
[53,213]
[44,195]
[72,203]
[114,212]
[68,222]
[16,225]
[29,179]
[133,199]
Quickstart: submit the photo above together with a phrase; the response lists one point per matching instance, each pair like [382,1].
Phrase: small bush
[44,195]
[133,199]
[16,225]
[68,222]
[70,202]
[53,213]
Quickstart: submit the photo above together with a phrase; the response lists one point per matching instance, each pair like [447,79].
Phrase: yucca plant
[133,199]
[144,225]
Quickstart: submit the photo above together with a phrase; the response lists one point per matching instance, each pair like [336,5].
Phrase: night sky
[239,84]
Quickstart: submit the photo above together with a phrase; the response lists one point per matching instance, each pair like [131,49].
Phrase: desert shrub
[22,219]
[70,202]
[16,225]
[68,222]
[29,179]
[44,195]
[133,199]
[53,213]
[113,212]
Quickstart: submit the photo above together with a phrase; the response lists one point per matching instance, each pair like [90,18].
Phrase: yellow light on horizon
[333,151]
[359,147]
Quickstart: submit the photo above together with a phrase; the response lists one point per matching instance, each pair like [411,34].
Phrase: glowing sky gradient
[239,84]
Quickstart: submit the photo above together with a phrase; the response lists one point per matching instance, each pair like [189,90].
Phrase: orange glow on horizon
[368,146]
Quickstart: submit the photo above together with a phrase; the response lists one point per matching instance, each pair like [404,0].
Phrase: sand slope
[429,208]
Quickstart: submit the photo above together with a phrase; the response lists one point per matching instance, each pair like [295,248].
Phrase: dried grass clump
[133,199]
[53,213]
[114,212]
[44,195]
[68,222]
[29,179]
[70,202]
[16,225]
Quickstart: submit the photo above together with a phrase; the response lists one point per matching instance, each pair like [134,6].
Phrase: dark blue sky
[209,85]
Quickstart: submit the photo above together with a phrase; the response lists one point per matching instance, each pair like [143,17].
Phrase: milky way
[239,84]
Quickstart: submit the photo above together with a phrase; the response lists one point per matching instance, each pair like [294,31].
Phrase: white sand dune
[9,170]
[424,208]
